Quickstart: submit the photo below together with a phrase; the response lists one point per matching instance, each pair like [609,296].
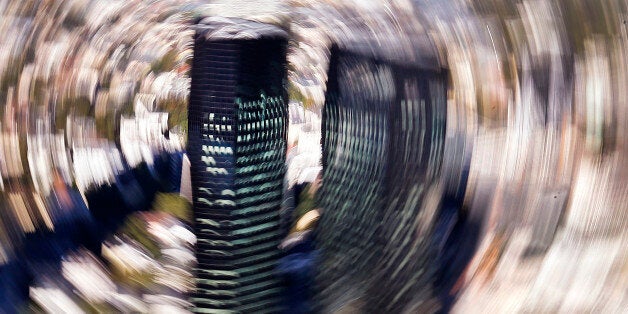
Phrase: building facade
[237,146]
[383,138]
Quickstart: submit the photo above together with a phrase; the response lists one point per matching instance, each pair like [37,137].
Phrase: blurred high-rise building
[383,140]
[237,146]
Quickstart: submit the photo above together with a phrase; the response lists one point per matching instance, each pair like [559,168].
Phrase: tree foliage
[173,204]
[166,63]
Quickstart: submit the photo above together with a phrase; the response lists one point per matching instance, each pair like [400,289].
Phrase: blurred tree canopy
[173,204]
[307,202]
[165,63]
[295,94]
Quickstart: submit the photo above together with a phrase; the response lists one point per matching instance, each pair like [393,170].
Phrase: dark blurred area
[440,156]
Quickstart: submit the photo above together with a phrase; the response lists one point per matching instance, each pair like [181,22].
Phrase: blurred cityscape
[96,200]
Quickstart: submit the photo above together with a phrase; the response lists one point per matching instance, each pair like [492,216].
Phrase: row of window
[263,103]
[261,168]
[270,125]
[261,145]
[261,114]
[258,158]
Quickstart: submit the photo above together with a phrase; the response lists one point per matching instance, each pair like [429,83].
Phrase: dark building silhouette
[383,139]
[237,145]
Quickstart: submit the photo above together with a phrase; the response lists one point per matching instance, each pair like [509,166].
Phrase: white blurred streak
[128,303]
[598,203]
[177,260]
[127,258]
[83,84]
[24,86]
[88,277]
[168,309]
[43,212]
[18,205]
[540,21]
[619,64]
[143,136]
[100,13]
[174,277]
[11,161]
[40,158]
[169,85]
[80,131]
[258,10]
[304,150]
[49,64]
[4,256]
[54,300]
[186,180]
[95,165]
[61,156]
[162,234]
[180,256]
[160,303]
[183,234]
[593,83]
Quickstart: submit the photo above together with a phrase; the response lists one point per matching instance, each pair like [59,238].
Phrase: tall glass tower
[383,139]
[237,146]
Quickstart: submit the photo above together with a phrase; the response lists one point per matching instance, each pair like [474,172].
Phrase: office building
[383,138]
[237,146]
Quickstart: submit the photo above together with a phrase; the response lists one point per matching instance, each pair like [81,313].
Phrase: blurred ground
[537,103]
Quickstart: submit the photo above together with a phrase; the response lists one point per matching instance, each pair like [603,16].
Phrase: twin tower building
[383,136]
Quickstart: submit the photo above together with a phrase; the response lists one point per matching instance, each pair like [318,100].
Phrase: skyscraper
[237,145]
[383,138]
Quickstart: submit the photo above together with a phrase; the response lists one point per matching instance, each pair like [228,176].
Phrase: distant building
[383,137]
[237,145]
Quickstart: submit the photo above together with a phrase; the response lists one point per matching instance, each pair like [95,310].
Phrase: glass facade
[237,145]
[383,138]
